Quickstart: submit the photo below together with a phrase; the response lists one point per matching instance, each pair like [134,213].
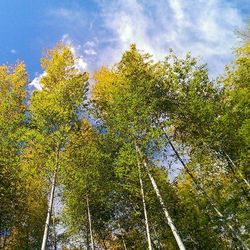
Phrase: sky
[99,31]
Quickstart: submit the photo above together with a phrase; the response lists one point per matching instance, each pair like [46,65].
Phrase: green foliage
[20,211]
[136,104]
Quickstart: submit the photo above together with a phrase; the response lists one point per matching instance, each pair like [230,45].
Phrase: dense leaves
[106,154]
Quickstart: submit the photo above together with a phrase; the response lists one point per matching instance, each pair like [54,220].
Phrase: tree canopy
[154,155]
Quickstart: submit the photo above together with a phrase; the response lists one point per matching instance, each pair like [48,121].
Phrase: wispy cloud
[90,52]
[35,83]
[90,44]
[80,62]
[206,28]
[69,16]
[90,48]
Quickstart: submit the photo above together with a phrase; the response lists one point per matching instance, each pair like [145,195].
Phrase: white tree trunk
[54,230]
[51,200]
[200,189]
[164,208]
[90,225]
[144,206]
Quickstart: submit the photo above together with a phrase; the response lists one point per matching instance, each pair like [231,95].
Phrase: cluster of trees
[104,150]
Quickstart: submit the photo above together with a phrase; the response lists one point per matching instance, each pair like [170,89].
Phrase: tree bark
[144,204]
[90,225]
[54,230]
[51,200]
[164,208]
[87,231]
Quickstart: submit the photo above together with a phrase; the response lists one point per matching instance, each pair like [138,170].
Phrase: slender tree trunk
[239,177]
[200,189]
[87,231]
[237,170]
[51,200]
[54,230]
[144,205]
[90,225]
[234,170]
[164,208]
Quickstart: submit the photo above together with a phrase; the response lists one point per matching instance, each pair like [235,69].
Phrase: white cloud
[35,84]
[90,52]
[13,51]
[177,9]
[206,28]
[80,63]
[90,44]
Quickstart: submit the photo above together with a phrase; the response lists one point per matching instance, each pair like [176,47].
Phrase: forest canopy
[144,154]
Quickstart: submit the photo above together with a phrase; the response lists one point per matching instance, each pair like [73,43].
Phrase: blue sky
[99,31]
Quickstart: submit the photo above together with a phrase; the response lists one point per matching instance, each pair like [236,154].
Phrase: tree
[13,80]
[86,181]
[126,109]
[55,111]
[192,106]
